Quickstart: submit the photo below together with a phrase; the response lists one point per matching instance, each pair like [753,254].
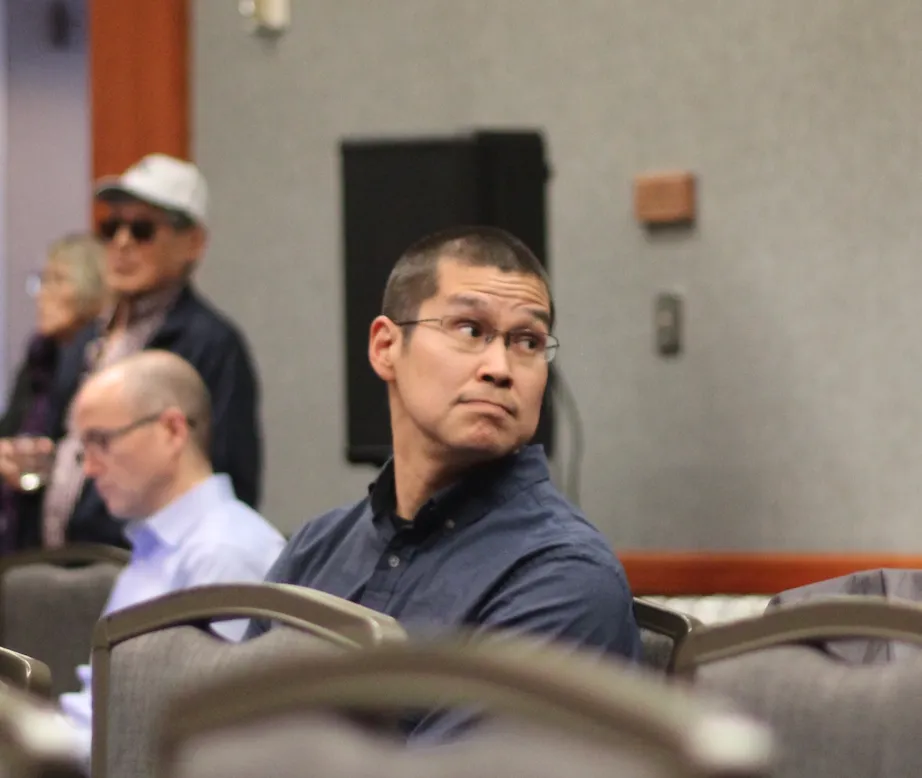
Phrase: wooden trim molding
[690,573]
[139,81]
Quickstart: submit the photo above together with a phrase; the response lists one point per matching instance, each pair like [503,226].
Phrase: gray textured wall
[794,419]
[47,155]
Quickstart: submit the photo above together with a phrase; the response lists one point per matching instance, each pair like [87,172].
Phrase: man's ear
[196,242]
[177,424]
[384,338]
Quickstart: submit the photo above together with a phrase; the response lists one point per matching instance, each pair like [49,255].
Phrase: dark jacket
[212,344]
[22,525]
[33,380]
[19,400]
[25,413]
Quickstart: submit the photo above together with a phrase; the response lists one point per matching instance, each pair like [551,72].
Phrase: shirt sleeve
[77,708]
[566,599]
[570,598]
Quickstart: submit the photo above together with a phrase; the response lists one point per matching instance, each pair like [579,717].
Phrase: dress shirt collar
[169,525]
[478,491]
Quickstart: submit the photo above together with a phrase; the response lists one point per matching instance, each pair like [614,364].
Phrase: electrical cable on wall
[568,403]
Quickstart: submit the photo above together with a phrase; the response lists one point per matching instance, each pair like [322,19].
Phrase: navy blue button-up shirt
[501,549]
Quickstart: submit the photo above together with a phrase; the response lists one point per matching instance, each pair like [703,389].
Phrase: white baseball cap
[163,181]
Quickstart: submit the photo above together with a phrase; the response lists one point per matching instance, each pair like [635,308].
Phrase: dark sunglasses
[142,230]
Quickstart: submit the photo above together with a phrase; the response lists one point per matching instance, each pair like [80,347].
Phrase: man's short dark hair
[415,277]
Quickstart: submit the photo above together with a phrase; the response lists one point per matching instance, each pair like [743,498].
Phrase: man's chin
[481,448]
[127,292]
[116,509]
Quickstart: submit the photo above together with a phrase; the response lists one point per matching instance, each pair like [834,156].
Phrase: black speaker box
[395,191]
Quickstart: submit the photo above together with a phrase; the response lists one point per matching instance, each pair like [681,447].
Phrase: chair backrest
[149,653]
[25,673]
[71,555]
[50,601]
[893,583]
[337,748]
[714,608]
[830,718]
[35,740]
[662,631]
[611,709]
[814,622]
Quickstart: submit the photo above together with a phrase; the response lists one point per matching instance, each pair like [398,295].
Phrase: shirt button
[393,560]
[449,524]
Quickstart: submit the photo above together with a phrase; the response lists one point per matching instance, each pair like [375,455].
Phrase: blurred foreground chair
[25,673]
[50,601]
[560,713]
[35,739]
[143,656]
[831,718]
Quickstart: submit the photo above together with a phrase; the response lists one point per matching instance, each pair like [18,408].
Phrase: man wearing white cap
[155,234]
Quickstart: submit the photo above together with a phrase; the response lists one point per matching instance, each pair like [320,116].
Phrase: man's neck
[414,484]
[417,477]
[184,484]
[126,307]
[120,315]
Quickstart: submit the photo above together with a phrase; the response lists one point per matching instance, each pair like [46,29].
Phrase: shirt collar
[154,303]
[171,524]
[479,490]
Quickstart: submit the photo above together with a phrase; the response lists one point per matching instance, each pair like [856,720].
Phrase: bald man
[144,427]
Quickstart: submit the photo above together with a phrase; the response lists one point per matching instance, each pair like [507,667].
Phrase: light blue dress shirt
[207,536]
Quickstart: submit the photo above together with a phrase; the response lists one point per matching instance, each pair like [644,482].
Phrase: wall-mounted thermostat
[668,324]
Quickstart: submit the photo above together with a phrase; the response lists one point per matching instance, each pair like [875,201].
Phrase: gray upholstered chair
[662,632]
[560,713]
[143,656]
[50,601]
[831,718]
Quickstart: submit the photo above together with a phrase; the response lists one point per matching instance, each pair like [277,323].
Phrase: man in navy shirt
[463,526]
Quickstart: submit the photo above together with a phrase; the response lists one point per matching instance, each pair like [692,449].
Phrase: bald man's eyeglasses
[100,440]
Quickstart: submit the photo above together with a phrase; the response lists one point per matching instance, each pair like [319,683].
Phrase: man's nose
[123,236]
[495,367]
[90,464]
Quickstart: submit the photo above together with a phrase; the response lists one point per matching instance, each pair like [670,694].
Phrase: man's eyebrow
[539,314]
[466,299]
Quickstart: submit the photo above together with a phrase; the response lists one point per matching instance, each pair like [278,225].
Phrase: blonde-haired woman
[70,295]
